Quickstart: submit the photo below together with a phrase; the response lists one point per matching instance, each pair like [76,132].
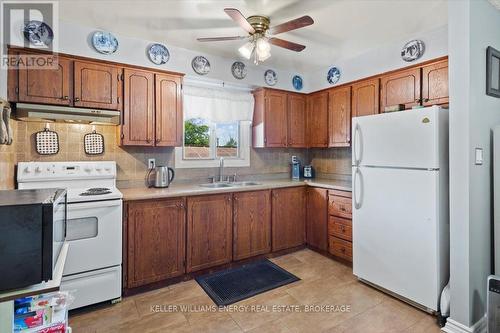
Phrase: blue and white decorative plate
[38,33]
[158,54]
[104,42]
[270,77]
[413,50]
[239,70]
[333,75]
[297,82]
[200,65]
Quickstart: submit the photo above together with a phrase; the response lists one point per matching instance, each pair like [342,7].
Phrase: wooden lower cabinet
[317,218]
[155,232]
[251,224]
[288,218]
[340,224]
[209,231]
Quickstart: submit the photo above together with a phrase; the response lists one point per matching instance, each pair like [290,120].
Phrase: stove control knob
[38,169]
[88,168]
[98,168]
[27,169]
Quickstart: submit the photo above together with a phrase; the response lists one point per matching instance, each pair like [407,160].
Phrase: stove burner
[96,191]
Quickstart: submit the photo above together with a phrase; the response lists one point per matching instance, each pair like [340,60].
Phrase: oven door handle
[95,204]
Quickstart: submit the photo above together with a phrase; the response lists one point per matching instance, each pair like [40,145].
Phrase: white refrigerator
[400,203]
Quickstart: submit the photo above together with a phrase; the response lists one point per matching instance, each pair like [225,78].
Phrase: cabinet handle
[342,228]
[181,205]
[77,99]
[157,140]
[65,98]
[148,140]
[342,250]
[426,100]
[418,100]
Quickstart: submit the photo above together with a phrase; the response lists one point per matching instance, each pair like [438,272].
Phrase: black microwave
[32,233]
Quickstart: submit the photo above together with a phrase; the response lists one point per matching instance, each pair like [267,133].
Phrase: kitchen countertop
[181,190]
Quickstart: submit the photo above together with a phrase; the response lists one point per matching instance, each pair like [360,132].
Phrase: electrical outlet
[151,163]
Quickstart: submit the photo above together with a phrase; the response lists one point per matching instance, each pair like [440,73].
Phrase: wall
[132,161]
[384,58]
[473,25]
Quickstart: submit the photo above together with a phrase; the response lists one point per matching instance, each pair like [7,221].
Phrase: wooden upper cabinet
[401,87]
[339,117]
[209,231]
[168,110]
[138,111]
[365,97]
[97,85]
[275,119]
[435,83]
[288,217]
[317,120]
[317,218]
[297,117]
[251,224]
[156,232]
[46,86]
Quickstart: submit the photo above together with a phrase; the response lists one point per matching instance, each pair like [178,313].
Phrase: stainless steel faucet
[221,169]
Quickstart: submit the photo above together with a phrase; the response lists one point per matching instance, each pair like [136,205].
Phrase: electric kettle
[163,176]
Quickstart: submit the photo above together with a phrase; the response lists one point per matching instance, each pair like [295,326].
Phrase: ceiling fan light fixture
[246,50]
[263,46]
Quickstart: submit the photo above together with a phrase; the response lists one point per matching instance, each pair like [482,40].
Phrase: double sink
[230,184]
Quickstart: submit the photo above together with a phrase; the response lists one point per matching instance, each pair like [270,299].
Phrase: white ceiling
[342,28]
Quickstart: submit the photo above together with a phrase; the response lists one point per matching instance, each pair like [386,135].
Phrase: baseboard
[455,327]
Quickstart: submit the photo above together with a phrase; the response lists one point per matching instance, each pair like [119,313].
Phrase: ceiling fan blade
[219,39]
[237,17]
[301,22]
[286,44]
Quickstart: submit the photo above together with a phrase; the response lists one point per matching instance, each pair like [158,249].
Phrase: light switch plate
[479,156]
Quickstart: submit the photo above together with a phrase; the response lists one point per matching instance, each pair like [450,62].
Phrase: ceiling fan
[260,35]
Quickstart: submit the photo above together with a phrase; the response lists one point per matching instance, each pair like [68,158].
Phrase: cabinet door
[209,233]
[297,121]
[275,120]
[288,218]
[365,98]
[138,111]
[435,83]
[317,120]
[168,110]
[317,218]
[402,87]
[156,233]
[251,224]
[97,86]
[339,117]
[46,86]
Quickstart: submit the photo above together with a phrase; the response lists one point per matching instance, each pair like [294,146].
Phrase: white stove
[93,227]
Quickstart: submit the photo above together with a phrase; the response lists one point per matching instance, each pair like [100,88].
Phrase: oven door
[94,234]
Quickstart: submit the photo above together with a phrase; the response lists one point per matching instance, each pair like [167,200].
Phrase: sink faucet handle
[211,179]
[235,177]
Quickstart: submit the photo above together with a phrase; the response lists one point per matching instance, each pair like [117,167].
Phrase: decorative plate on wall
[104,42]
[271,77]
[38,33]
[239,70]
[297,82]
[333,75]
[200,65]
[413,50]
[158,54]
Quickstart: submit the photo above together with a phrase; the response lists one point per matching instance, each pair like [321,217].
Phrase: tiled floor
[324,282]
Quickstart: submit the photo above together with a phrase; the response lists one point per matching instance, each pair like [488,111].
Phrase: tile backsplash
[132,161]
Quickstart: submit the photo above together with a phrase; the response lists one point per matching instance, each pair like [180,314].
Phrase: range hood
[67,114]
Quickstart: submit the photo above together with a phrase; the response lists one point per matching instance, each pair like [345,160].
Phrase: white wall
[385,58]
[74,39]
[473,26]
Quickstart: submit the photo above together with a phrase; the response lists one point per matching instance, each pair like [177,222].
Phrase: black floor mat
[235,284]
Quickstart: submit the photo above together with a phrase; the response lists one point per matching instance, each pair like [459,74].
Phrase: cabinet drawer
[339,227]
[340,248]
[340,206]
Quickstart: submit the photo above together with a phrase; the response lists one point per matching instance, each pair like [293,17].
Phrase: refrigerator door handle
[358,176]
[357,143]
